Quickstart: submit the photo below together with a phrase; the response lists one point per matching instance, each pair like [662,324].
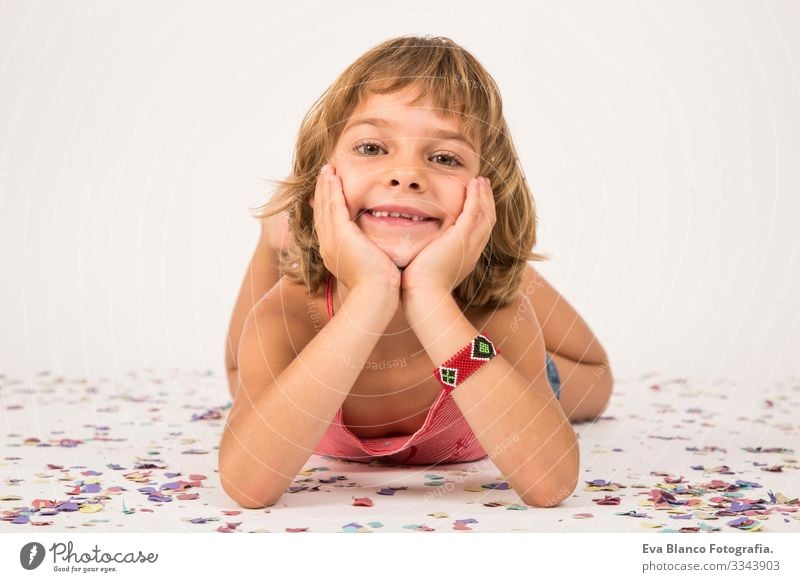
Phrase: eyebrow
[386,124]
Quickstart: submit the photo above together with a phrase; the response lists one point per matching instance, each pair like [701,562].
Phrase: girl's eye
[452,157]
[370,146]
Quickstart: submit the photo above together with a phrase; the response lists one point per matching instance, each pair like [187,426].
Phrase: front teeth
[383,214]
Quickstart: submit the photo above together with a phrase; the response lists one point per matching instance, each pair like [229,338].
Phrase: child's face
[403,162]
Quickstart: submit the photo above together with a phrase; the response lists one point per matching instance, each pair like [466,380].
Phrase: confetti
[146,453]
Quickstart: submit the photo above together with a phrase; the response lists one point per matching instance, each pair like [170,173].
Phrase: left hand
[450,258]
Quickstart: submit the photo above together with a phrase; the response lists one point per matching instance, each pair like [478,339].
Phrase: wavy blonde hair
[458,84]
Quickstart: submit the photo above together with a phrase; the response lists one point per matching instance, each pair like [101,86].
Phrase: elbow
[605,389]
[246,495]
[599,396]
[550,495]
[558,484]
[244,485]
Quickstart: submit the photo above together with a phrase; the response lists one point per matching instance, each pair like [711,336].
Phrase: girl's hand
[346,251]
[449,259]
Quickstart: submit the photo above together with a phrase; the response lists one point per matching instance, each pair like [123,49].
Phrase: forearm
[519,422]
[268,438]
[262,273]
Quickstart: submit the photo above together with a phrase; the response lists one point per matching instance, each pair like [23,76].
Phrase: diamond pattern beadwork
[468,359]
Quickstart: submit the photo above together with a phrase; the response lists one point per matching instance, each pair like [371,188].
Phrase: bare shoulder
[514,327]
[498,319]
[290,305]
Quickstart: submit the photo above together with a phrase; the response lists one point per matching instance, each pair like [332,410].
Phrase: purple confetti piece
[468,520]
[21,519]
[159,498]
[146,489]
[92,488]
[354,524]
[172,485]
[68,506]
[737,506]
[386,491]
[171,475]
[633,513]
[502,485]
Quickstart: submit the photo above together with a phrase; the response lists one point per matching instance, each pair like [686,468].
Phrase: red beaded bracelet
[466,361]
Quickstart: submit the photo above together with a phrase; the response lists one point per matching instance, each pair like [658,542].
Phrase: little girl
[407,323]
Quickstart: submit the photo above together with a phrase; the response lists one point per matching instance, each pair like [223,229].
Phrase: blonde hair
[459,84]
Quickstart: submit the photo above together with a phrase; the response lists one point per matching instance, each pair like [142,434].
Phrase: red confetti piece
[362,501]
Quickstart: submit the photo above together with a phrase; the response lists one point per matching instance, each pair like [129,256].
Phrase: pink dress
[445,436]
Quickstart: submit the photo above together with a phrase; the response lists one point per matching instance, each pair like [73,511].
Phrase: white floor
[657,431]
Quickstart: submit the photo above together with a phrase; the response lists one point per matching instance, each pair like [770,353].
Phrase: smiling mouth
[387,218]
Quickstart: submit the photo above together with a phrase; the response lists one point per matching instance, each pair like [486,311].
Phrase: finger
[471,209]
[326,231]
[487,201]
[319,201]
[339,211]
[480,213]
[484,202]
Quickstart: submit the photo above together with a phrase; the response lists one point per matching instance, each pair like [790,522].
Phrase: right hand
[346,251]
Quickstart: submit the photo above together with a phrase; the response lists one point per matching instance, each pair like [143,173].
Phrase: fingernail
[324,169]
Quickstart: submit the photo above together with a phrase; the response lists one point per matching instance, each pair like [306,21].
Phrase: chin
[401,257]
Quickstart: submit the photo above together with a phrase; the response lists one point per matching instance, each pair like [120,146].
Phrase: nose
[406,178]
[409,183]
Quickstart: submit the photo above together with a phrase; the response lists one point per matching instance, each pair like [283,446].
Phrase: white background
[661,139]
